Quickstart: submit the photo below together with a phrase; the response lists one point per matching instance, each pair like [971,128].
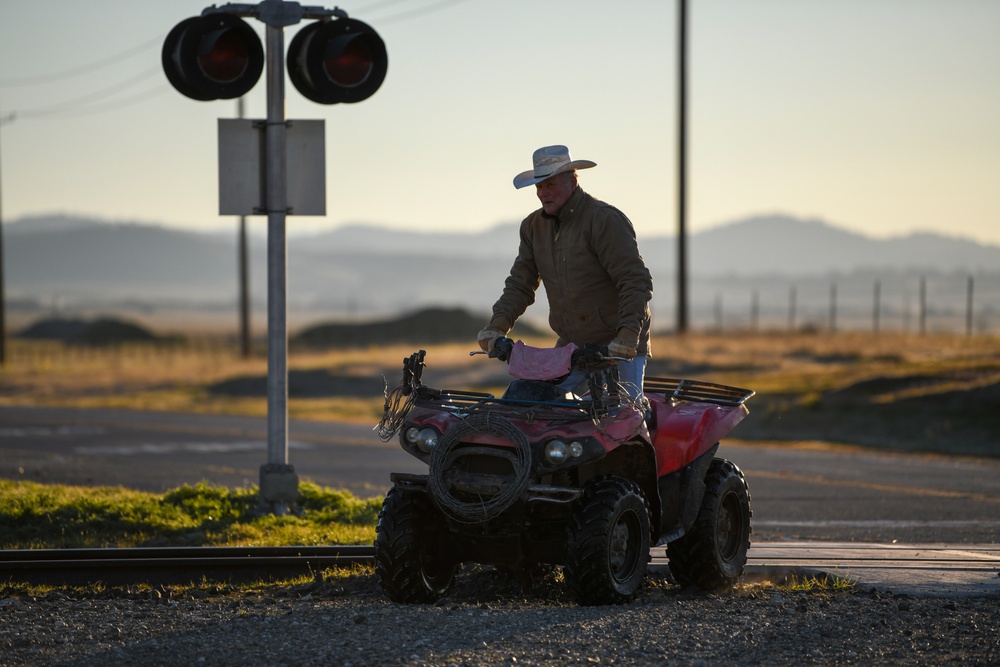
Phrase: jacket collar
[571,209]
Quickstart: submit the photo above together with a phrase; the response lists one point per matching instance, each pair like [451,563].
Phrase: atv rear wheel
[608,545]
[713,553]
[407,569]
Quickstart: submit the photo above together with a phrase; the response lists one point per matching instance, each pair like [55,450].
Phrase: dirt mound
[102,331]
[918,412]
[423,327]
[302,384]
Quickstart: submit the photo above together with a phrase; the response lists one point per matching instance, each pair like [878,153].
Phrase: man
[585,253]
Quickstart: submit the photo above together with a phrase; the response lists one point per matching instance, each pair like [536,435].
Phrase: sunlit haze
[880,116]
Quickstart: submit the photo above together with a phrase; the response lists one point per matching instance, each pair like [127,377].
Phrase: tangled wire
[399,399]
[398,402]
[609,393]
[511,488]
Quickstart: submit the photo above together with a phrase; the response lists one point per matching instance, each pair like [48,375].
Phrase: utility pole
[682,291]
[4,120]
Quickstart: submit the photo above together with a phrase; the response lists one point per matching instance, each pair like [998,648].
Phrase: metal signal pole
[278,481]
[682,291]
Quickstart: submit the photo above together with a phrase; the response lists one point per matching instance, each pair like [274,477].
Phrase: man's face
[553,192]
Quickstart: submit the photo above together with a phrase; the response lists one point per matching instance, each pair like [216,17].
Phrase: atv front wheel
[713,553]
[407,569]
[608,543]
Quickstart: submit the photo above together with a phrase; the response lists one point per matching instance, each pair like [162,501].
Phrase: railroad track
[181,565]
[172,565]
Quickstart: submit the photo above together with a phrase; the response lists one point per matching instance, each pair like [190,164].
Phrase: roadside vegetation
[54,516]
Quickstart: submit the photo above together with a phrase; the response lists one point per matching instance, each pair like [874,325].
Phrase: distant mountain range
[752,246]
[75,263]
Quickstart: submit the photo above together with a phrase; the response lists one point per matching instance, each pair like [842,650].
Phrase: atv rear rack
[697,391]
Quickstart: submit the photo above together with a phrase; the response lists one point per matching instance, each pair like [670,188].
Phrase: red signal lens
[352,63]
[214,56]
[223,57]
[330,62]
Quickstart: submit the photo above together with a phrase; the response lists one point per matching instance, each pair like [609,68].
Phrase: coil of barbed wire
[481,509]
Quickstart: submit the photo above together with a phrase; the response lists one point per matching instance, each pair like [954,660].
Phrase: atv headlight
[556,452]
[424,438]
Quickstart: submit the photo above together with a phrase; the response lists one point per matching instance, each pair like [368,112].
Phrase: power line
[80,70]
[414,13]
[72,108]
[379,5]
[112,105]
[73,105]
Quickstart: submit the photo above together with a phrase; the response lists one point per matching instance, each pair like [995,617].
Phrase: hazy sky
[882,116]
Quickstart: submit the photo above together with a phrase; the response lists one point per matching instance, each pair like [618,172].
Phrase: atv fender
[636,461]
[681,493]
[685,430]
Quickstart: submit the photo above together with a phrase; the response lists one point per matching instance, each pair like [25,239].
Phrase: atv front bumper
[488,486]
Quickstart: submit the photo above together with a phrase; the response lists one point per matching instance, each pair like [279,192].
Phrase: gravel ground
[487,621]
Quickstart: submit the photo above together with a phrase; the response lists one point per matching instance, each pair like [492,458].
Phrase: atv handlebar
[589,356]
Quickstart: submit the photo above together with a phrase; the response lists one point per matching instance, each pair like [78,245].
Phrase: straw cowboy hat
[549,161]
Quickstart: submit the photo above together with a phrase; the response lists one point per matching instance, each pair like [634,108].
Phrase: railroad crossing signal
[219,56]
[335,59]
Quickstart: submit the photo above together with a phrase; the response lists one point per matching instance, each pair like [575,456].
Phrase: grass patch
[796,581]
[43,516]
[821,583]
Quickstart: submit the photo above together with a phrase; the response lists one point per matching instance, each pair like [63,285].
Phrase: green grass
[41,516]
[816,584]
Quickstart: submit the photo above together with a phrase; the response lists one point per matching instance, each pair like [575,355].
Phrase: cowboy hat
[549,161]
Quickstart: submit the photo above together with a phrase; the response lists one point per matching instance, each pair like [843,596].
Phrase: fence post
[791,308]
[877,308]
[968,307]
[833,307]
[923,305]
[754,310]
[718,312]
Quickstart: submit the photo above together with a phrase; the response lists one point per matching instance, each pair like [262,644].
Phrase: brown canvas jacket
[594,276]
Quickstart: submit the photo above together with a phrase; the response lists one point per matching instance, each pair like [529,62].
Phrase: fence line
[939,308]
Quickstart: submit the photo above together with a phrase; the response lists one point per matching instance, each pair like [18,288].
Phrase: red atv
[540,476]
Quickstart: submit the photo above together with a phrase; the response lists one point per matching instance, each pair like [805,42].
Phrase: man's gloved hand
[488,337]
[620,348]
[624,344]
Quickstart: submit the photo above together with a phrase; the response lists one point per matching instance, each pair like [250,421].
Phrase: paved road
[799,493]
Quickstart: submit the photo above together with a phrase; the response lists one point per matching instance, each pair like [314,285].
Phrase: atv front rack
[466,402]
[697,391]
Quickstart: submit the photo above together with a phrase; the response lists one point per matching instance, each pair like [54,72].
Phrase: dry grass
[847,387]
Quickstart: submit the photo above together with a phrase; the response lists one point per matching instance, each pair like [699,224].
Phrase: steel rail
[182,565]
[173,565]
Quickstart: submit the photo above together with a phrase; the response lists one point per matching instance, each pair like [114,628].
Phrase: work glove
[487,338]
[624,344]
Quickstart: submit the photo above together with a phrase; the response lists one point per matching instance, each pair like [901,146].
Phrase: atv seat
[541,363]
